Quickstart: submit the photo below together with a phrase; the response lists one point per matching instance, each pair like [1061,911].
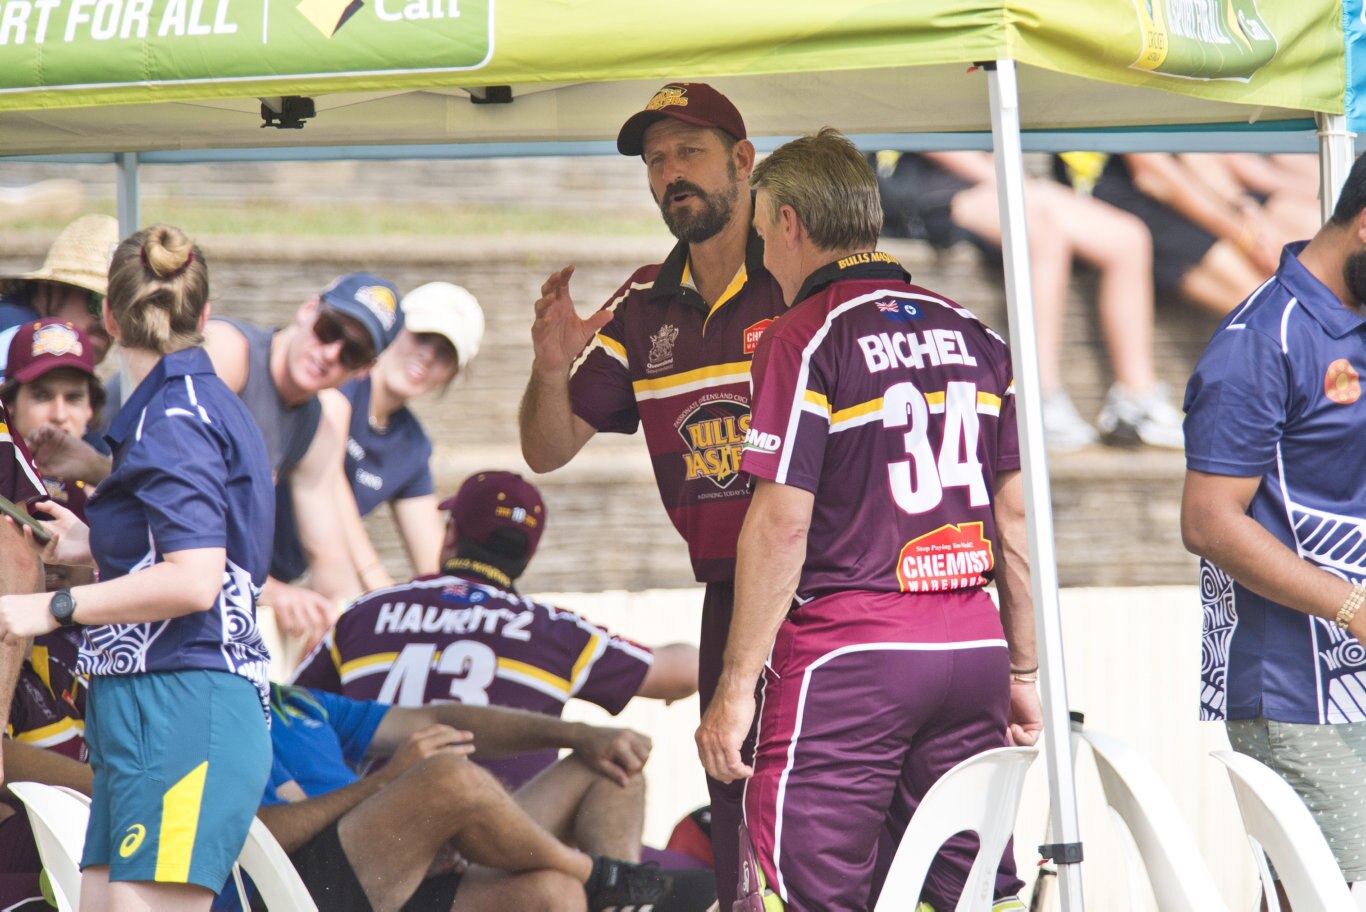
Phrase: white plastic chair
[980,795]
[1278,824]
[272,872]
[1138,797]
[58,821]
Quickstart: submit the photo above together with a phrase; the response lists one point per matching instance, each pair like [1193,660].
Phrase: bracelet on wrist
[1031,678]
[1351,605]
[1024,671]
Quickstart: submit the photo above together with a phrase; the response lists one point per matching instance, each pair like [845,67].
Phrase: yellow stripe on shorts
[179,826]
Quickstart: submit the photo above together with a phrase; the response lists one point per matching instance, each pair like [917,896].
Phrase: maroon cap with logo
[492,500]
[693,103]
[41,346]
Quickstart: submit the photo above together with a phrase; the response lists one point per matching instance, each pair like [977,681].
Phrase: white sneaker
[1132,419]
[1064,430]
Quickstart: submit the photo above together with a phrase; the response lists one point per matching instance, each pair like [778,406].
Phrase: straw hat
[80,256]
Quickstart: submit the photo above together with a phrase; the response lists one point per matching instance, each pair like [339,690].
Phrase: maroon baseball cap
[492,500]
[693,103]
[42,346]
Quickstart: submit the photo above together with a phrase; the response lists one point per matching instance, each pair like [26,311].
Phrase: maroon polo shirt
[19,478]
[48,707]
[896,408]
[679,369]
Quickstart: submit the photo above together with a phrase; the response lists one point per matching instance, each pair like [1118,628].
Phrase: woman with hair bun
[180,532]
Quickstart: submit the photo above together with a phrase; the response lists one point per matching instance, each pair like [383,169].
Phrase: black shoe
[620,886]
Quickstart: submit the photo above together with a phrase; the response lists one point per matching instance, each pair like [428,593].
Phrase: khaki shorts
[1326,765]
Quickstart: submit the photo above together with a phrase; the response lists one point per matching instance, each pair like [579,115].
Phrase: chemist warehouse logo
[715,436]
[950,557]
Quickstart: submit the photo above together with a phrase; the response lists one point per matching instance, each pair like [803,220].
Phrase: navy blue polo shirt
[1277,395]
[384,466]
[190,471]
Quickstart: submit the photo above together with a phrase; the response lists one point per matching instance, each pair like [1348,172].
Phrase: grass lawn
[281,219]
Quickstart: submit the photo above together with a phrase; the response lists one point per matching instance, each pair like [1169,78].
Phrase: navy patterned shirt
[190,471]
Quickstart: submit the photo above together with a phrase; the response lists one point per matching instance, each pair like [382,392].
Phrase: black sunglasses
[95,304]
[357,351]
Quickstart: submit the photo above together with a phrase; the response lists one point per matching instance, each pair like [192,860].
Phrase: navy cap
[369,299]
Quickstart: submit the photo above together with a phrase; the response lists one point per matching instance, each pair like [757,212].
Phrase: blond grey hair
[158,286]
[829,184]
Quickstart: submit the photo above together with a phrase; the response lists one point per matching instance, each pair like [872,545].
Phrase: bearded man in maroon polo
[670,353]
[884,452]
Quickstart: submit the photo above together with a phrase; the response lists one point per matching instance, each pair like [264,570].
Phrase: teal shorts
[181,760]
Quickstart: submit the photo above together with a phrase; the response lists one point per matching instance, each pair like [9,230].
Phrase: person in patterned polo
[1275,507]
[466,635]
[670,352]
[886,462]
[176,716]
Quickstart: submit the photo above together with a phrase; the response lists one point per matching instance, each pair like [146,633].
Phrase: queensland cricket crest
[662,348]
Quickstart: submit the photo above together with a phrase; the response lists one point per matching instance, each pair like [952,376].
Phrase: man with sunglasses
[287,378]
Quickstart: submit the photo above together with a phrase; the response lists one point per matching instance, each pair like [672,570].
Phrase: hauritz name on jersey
[401,617]
[950,557]
[715,434]
[882,351]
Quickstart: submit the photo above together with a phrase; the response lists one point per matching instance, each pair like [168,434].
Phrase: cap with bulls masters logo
[693,103]
[42,346]
[493,500]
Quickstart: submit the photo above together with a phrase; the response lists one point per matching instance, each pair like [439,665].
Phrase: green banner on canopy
[58,53]
[137,45]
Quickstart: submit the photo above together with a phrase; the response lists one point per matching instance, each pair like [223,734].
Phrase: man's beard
[704,223]
[1354,276]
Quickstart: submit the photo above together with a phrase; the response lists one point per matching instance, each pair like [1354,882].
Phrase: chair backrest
[981,795]
[1176,871]
[273,873]
[1278,823]
[58,820]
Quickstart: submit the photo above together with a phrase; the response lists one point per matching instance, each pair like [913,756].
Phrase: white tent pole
[130,205]
[1337,150]
[1005,134]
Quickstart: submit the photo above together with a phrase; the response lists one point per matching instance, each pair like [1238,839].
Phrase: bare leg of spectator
[486,890]
[587,810]
[392,837]
[1050,263]
[1118,246]
[99,895]
[1050,259]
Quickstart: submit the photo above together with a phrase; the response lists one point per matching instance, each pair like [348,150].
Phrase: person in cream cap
[388,452]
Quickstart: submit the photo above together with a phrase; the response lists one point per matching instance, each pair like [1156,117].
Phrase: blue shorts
[181,760]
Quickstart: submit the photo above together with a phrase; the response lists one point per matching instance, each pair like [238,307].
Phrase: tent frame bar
[1009,159]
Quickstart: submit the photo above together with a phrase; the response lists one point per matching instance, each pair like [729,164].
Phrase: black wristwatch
[63,606]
